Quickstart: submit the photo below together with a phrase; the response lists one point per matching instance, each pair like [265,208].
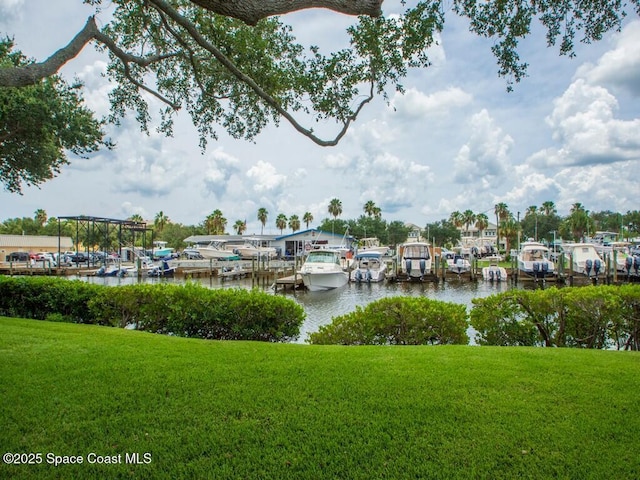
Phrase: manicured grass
[209,409]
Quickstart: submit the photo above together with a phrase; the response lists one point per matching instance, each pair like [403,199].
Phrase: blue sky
[457,140]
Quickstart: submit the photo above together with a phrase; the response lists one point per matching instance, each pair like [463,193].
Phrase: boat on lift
[585,259]
[215,250]
[534,261]
[368,267]
[414,260]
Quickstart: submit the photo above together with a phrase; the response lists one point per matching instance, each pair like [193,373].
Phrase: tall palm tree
[240,226]
[160,220]
[468,217]
[549,208]
[281,222]
[294,223]
[307,218]
[136,217]
[456,219]
[262,216]
[216,223]
[502,213]
[579,221]
[335,209]
[370,208]
[40,216]
[533,211]
[482,222]
[509,229]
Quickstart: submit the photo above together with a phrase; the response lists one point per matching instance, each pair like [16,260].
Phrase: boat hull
[320,281]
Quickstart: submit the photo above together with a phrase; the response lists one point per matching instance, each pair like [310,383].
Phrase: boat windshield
[322,257]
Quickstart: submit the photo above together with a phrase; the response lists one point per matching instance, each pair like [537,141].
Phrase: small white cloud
[265,178]
[415,104]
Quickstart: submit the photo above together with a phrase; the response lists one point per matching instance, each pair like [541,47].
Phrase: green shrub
[585,317]
[398,321]
[189,310]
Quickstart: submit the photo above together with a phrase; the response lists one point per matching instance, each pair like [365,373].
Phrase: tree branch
[165,7]
[250,11]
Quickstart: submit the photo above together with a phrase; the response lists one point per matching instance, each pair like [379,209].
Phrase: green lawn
[209,409]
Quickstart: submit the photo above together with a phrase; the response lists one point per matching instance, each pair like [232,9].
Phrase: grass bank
[208,409]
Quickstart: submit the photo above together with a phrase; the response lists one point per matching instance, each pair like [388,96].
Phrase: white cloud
[415,104]
[266,179]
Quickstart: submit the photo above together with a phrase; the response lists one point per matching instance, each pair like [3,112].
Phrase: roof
[320,233]
[32,242]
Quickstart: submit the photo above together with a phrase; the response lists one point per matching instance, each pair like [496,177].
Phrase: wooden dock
[290,282]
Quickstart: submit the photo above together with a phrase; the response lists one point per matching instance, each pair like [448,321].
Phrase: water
[321,307]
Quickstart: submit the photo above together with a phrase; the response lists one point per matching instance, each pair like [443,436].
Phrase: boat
[534,261]
[160,249]
[623,259]
[456,262]
[494,272]
[322,271]
[372,244]
[584,258]
[162,270]
[215,250]
[368,267]
[252,248]
[414,259]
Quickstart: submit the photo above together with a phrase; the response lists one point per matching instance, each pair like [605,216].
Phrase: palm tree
[456,219]
[578,220]
[307,218]
[468,217]
[370,208]
[294,223]
[549,208]
[509,229]
[160,220]
[262,216]
[335,209]
[215,223]
[281,222]
[40,216]
[482,222]
[240,226]
[533,211]
[136,217]
[502,213]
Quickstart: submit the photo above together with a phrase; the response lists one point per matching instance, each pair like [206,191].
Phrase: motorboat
[368,267]
[623,259]
[494,272]
[372,244]
[534,261]
[252,248]
[160,249]
[215,250]
[456,262]
[584,258]
[322,271]
[414,259]
[162,270]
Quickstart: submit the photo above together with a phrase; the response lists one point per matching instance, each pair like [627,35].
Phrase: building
[33,244]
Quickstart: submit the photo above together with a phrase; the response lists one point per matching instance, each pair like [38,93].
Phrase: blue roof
[320,234]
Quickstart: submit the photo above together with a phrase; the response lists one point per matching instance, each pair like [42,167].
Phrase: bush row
[186,310]
[585,317]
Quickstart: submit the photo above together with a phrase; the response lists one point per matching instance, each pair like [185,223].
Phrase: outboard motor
[358,276]
[423,266]
[628,263]
[597,265]
[408,266]
[587,267]
[368,276]
[636,263]
[491,275]
[459,263]
[498,274]
[536,269]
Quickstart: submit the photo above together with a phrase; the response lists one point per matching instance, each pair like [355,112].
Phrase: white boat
[584,258]
[414,259]
[372,244]
[368,267]
[215,250]
[456,262]
[623,259]
[322,271]
[252,248]
[494,272]
[161,250]
[534,261]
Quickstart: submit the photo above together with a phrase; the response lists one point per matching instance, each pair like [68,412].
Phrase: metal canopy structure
[91,231]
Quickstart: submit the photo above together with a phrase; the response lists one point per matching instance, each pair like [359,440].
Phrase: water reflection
[321,307]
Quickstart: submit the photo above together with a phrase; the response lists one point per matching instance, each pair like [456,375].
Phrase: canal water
[321,307]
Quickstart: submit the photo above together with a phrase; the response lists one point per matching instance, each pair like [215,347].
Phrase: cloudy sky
[457,140]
